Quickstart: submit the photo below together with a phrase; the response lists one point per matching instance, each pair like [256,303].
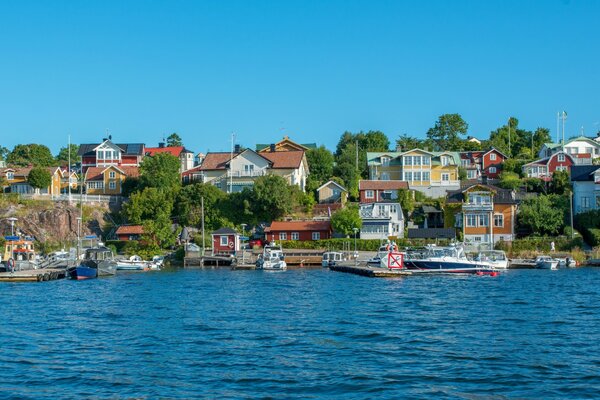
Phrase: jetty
[33,275]
[371,272]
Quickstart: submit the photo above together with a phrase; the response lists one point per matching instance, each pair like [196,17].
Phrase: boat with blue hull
[98,261]
[444,259]
[82,272]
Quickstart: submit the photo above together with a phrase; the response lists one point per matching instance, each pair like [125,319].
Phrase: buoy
[494,273]
[479,273]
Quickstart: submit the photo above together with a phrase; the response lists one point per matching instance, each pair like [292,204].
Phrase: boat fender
[10,264]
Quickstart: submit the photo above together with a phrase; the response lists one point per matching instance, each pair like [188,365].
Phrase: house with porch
[298,230]
[231,172]
[545,167]
[108,153]
[586,187]
[332,192]
[480,164]
[108,180]
[487,214]
[381,220]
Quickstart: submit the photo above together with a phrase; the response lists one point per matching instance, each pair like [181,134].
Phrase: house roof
[130,230]
[214,161]
[382,185]
[431,233]
[331,182]
[305,146]
[174,150]
[97,173]
[373,158]
[581,173]
[225,231]
[497,151]
[430,209]
[127,148]
[546,160]
[284,159]
[299,226]
[501,196]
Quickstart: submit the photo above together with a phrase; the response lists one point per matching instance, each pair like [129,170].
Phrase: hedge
[361,244]
[562,243]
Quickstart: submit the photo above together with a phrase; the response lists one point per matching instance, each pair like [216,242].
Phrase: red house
[491,163]
[298,230]
[129,232]
[544,168]
[376,191]
[225,241]
[108,153]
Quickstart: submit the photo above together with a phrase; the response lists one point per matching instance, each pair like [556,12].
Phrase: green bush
[119,245]
[562,243]
[594,236]
[361,244]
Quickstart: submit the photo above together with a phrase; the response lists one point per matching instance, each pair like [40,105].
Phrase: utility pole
[564,116]
[571,209]
[557,127]
[202,211]
[509,154]
[357,155]
[231,162]
[69,170]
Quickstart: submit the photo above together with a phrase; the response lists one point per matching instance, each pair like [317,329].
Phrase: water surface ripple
[303,334]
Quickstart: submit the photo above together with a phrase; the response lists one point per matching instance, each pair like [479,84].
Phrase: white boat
[566,263]
[134,263]
[331,258]
[546,262]
[272,258]
[494,258]
[444,259]
[382,254]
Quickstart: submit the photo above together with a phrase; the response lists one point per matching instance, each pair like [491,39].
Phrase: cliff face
[51,221]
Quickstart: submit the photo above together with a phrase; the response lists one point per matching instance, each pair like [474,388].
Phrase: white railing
[243,174]
[478,207]
[374,214]
[445,183]
[86,198]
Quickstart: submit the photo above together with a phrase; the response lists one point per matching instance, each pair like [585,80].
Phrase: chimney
[161,145]
[272,147]
[237,148]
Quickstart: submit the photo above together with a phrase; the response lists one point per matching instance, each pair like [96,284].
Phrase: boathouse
[129,232]
[225,241]
[298,230]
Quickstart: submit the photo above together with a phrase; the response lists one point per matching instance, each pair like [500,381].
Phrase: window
[589,150]
[282,235]
[498,220]
[369,194]
[10,175]
[112,174]
[477,238]
[471,220]
[316,236]
[100,155]
[385,161]
[426,176]
[493,157]
[112,185]
[417,160]
[408,176]
[426,160]
[471,174]
[295,236]
[224,240]
[444,160]
[561,157]
[492,170]
[385,176]
[445,177]
[95,185]
[561,168]
[484,220]
[585,202]
[417,176]
[465,163]
[407,160]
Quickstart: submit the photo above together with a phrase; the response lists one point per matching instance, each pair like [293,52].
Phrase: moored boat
[494,258]
[444,259]
[272,258]
[134,263]
[546,262]
[97,262]
[331,258]
[19,253]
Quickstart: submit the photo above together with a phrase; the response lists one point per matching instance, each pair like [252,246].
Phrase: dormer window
[444,160]
[385,161]
[10,175]
[561,157]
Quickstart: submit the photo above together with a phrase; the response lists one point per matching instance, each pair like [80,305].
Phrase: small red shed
[298,230]
[130,232]
[225,240]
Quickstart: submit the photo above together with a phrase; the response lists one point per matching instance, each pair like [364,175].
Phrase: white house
[582,148]
[381,220]
[586,187]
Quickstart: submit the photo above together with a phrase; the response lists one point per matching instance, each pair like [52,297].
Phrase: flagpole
[557,127]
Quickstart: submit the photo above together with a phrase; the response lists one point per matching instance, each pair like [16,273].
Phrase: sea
[303,334]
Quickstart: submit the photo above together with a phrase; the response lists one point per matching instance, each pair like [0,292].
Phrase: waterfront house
[376,191]
[432,173]
[381,220]
[575,147]
[586,187]
[480,164]
[298,230]
[285,145]
[108,153]
[487,214]
[225,241]
[129,232]
[108,180]
[545,167]
[231,172]
[185,156]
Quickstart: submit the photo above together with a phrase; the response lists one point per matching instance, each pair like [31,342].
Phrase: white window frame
[426,176]
[112,185]
[385,176]
[112,175]
[471,220]
[444,160]
[408,176]
[282,235]
[369,194]
[447,177]
[561,157]
[426,160]
[408,160]
[493,157]
[10,175]
[295,235]
[385,161]
[316,236]
[471,174]
[224,242]
[417,160]
[417,176]
[498,220]
[492,170]
[483,220]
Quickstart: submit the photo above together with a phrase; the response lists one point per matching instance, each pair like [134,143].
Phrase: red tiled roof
[284,159]
[175,150]
[215,161]
[130,230]
[298,226]
[95,173]
[382,185]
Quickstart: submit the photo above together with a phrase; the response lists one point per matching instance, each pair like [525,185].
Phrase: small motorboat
[444,259]
[134,263]
[98,261]
[332,258]
[272,259]
[494,258]
[546,262]
[566,262]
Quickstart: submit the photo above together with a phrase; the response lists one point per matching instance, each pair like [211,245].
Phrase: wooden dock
[372,272]
[33,275]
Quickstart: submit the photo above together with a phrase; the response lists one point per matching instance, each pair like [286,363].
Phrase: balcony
[478,207]
[445,183]
[246,174]
[374,214]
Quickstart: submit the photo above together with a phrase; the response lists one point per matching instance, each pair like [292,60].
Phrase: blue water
[303,334]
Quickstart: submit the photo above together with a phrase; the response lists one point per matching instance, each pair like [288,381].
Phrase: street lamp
[243,247]
[355,252]
[12,221]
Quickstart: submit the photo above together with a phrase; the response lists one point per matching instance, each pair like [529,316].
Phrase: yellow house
[108,180]
[16,179]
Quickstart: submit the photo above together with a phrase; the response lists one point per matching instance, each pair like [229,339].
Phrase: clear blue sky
[308,69]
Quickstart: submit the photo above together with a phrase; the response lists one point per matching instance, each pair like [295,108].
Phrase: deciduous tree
[271,198]
[445,134]
[188,206]
[346,219]
[39,178]
[161,171]
[31,154]
[63,155]
[541,216]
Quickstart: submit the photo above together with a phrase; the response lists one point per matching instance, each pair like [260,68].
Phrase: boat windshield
[443,252]
[491,256]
